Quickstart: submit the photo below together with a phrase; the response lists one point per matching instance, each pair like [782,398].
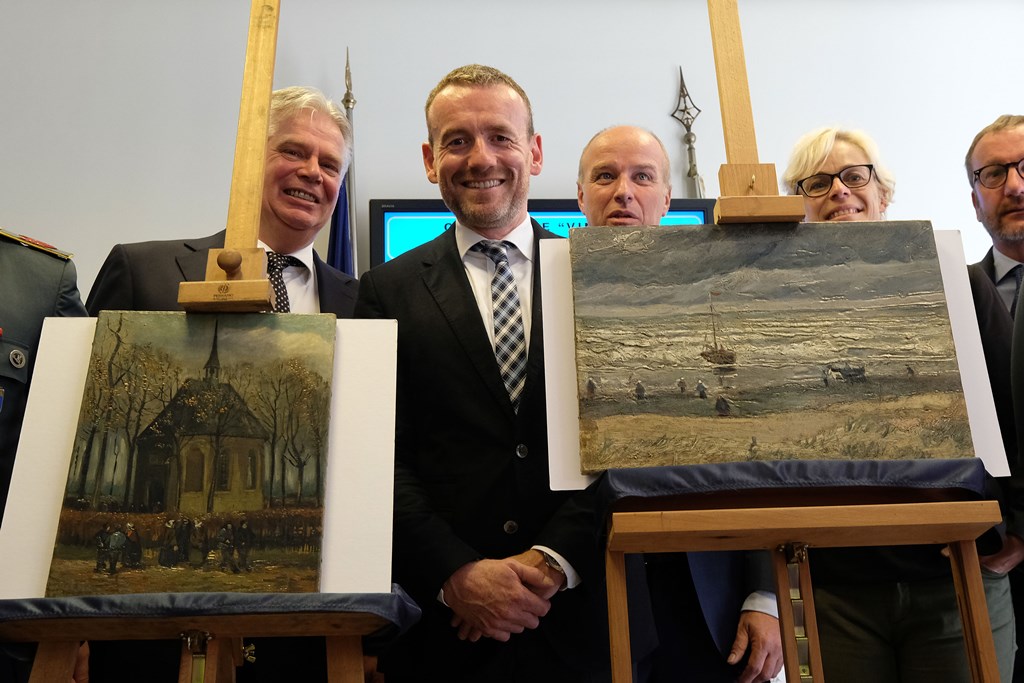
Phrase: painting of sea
[763,342]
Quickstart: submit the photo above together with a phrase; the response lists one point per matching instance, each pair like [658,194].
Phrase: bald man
[714,612]
[624,178]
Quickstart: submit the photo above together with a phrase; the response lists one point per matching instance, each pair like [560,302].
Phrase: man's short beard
[1014,237]
[478,218]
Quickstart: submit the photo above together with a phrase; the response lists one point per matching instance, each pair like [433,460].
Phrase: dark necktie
[1018,274]
[509,335]
[276,263]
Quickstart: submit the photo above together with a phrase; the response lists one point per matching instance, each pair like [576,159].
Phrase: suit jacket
[996,327]
[471,475]
[35,284]
[144,277]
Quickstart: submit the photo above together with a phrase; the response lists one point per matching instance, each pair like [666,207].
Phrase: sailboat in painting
[716,353]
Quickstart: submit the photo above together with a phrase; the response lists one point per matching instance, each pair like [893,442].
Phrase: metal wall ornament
[686,113]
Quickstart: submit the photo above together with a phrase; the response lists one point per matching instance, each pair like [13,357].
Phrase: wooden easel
[750,195]
[749,189]
[786,532]
[215,641]
[236,276]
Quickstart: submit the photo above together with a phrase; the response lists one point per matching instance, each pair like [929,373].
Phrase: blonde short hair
[812,149]
[287,102]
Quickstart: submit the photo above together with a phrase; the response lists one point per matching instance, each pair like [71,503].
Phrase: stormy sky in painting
[241,338]
[762,264]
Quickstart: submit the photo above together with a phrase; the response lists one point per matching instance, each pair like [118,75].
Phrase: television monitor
[398,225]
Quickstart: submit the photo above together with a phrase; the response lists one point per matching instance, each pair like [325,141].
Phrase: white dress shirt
[300,282]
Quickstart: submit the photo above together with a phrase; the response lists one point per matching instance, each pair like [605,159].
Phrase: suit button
[511,526]
[522,451]
[17,358]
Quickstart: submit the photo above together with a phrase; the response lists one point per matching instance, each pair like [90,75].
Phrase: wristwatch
[551,562]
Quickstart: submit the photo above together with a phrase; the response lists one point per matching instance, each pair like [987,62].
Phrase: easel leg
[784,596]
[208,660]
[800,648]
[192,668]
[970,595]
[344,659]
[221,659]
[618,616]
[55,661]
[810,619]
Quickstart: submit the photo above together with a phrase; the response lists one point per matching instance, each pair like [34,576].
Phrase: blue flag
[339,247]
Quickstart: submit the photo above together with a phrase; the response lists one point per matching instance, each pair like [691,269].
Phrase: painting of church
[204,452]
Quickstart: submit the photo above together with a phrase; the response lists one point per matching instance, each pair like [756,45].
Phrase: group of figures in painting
[228,549]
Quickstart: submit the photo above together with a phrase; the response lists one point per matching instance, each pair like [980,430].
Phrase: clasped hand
[496,598]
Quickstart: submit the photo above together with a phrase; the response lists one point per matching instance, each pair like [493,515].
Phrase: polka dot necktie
[276,263]
[509,335]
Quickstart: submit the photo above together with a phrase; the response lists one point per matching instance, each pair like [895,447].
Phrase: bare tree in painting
[105,375]
[315,409]
[289,401]
[89,425]
[146,388]
[271,399]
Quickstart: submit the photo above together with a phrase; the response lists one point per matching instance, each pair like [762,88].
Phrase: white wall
[117,117]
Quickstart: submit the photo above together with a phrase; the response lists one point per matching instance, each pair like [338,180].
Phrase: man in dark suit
[500,564]
[995,170]
[307,158]
[37,282]
[309,147]
[709,608]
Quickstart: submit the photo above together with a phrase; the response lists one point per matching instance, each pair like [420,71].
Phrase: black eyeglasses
[994,176]
[853,177]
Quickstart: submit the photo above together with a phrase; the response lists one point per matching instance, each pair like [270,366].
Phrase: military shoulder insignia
[35,244]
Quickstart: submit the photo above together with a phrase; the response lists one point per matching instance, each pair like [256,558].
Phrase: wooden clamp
[749,189]
[236,276]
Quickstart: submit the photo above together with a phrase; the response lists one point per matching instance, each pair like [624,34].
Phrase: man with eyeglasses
[995,170]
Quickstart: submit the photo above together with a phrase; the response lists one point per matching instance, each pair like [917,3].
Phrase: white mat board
[356,553]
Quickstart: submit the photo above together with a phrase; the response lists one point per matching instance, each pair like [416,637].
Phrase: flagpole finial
[686,113]
[349,100]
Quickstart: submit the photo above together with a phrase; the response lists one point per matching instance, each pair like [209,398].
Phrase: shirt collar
[305,254]
[521,237]
[1001,264]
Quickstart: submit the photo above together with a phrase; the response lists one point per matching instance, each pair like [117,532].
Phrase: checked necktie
[509,335]
[276,263]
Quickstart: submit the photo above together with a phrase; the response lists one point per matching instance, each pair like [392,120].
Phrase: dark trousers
[686,651]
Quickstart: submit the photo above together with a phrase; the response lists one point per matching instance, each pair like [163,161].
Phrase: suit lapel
[192,262]
[444,276]
[988,264]
[535,357]
[334,296]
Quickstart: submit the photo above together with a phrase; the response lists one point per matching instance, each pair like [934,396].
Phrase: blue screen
[404,230]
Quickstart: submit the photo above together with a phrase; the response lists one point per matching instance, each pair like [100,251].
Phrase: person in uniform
[37,281]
